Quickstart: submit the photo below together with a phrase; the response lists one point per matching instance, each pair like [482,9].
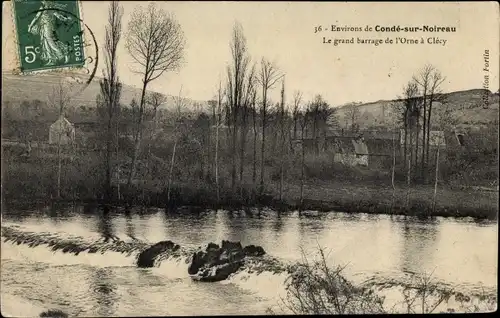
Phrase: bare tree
[423,80]
[245,110]
[59,99]
[268,76]
[436,180]
[393,169]
[411,113]
[320,112]
[297,100]
[155,42]
[155,100]
[430,80]
[408,109]
[218,117]
[434,96]
[212,108]
[352,114]
[282,116]
[110,84]
[254,121]
[237,80]
[179,105]
[303,119]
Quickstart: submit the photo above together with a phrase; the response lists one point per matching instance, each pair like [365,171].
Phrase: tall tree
[268,76]
[245,110]
[297,100]
[282,118]
[218,119]
[352,115]
[155,100]
[237,78]
[155,42]
[434,96]
[212,107]
[320,111]
[411,114]
[423,80]
[407,110]
[429,79]
[110,84]
[59,99]
[254,122]
[179,105]
[303,118]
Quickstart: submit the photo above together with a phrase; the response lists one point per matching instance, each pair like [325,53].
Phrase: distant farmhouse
[353,148]
[376,148]
[62,131]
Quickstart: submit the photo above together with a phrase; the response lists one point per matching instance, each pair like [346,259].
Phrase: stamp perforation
[54,67]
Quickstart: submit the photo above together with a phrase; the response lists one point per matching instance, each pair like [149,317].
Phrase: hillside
[17,88]
[465,106]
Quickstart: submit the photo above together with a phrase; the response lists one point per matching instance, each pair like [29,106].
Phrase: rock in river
[217,263]
[54,313]
[147,257]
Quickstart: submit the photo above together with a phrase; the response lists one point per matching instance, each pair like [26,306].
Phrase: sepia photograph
[203,158]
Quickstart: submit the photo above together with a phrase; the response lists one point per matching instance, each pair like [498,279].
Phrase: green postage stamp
[49,34]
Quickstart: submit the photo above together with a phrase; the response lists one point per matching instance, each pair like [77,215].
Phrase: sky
[283,32]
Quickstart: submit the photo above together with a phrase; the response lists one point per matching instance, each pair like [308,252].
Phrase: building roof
[62,122]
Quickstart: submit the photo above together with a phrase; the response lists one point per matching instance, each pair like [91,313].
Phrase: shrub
[316,288]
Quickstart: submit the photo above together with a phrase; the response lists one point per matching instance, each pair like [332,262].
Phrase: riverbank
[328,186]
[318,196]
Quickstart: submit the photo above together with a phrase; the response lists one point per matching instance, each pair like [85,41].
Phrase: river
[458,252]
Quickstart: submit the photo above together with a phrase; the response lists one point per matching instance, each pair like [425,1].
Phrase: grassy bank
[321,197]
[327,188]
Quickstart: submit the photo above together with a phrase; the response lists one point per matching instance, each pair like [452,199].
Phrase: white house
[63,129]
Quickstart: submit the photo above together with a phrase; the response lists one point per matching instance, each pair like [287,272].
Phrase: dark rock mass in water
[253,250]
[217,263]
[54,313]
[147,257]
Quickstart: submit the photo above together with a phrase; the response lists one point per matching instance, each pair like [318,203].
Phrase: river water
[457,252]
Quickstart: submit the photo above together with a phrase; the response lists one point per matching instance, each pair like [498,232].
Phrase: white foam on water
[173,268]
[44,254]
[265,284]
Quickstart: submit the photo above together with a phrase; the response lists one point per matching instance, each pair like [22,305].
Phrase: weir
[140,250]
[253,271]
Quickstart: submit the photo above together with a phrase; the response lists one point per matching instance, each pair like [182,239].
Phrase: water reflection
[105,225]
[104,291]
[370,243]
[129,225]
[234,228]
[418,244]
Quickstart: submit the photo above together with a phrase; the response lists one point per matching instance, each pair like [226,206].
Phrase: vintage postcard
[208,158]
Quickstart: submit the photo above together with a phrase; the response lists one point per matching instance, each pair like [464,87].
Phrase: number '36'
[31,52]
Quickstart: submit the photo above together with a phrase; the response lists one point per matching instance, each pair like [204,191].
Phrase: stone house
[62,129]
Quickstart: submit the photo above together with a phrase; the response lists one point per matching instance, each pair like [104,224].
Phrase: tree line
[155,41]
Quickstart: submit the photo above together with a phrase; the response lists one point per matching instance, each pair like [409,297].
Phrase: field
[31,181]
